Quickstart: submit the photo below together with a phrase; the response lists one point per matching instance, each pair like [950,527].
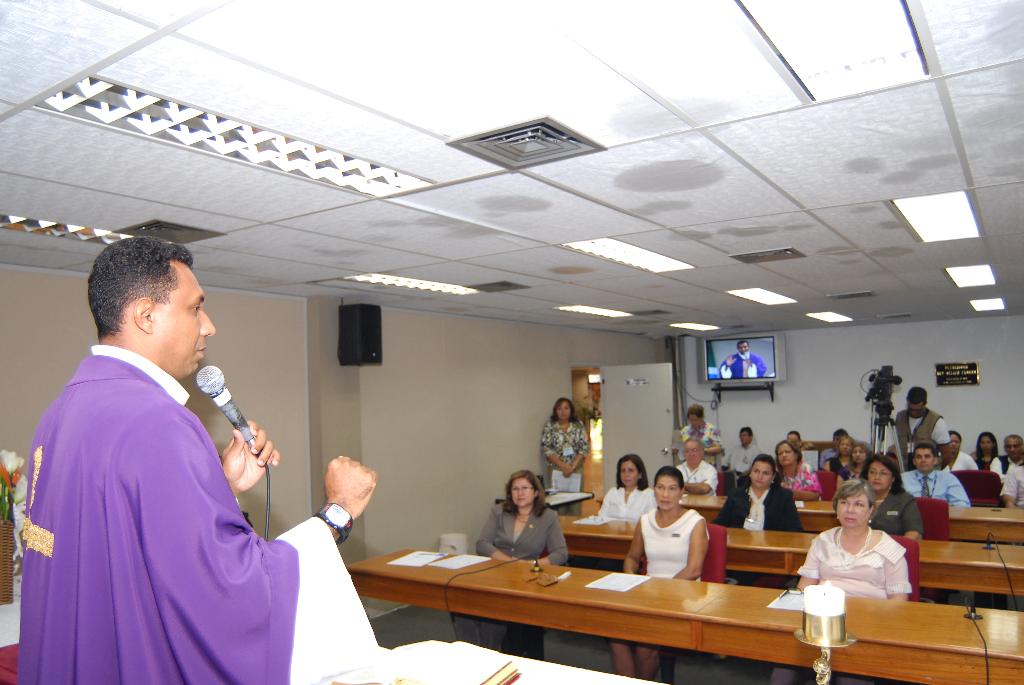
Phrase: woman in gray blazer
[521,527]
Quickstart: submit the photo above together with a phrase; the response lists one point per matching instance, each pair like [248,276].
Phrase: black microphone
[210,380]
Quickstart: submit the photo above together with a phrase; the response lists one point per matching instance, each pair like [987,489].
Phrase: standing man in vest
[917,423]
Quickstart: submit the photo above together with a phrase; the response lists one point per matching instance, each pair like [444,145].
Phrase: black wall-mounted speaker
[359,335]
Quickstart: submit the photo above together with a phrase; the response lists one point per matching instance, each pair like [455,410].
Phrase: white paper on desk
[618,582]
[799,504]
[790,601]
[417,559]
[594,520]
[460,561]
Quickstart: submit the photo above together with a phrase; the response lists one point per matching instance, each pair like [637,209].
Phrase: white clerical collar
[164,379]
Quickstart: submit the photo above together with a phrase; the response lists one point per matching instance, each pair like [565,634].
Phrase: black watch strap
[339,520]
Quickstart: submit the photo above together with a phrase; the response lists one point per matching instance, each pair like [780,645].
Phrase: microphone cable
[984,645]
[266,519]
[447,606]
[991,539]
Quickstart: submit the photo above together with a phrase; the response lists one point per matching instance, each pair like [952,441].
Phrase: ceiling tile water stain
[511,204]
[668,176]
[570,270]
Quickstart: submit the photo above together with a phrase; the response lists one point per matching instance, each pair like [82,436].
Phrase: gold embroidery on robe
[36,537]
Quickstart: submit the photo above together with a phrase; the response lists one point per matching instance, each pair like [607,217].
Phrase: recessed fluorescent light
[596,311]
[970,276]
[762,296]
[990,305]
[23,224]
[400,282]
[841,47]
[695,326]
[133,110]
[829,317]
[946,216]
[630,255]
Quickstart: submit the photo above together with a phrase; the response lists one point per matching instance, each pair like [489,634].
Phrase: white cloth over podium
[332,632]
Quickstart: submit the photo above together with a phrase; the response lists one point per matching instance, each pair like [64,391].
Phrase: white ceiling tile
[4,107]
[795,229]
[159,13]
[674,181]
[385,223]
[739,276]
[255,267]
[988,106]
[421,76]
[937,256]
[461,273]
[195,75]
[43,42]
[647,287]
[976,33]
[51,146]
[699,56]
[312,248]
[528,207]
[555,263]
[878,146]
[1001,209]
[679,246]
[39,199]
[568,294]
[868,226]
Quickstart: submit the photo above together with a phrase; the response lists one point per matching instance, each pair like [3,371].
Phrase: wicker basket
[6,562]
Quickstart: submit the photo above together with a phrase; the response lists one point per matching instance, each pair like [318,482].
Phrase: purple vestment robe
[155,577]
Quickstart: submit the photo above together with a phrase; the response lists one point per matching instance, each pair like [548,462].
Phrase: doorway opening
[586,396]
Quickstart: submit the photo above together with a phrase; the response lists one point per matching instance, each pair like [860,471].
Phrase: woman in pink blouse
[802,482]
[861,561]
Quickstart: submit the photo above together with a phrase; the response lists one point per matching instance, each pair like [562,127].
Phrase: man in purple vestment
[139,566]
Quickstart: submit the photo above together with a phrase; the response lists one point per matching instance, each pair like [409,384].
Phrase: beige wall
[456,406]
[46,329]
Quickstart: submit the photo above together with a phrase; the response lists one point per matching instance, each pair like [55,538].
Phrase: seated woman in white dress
[631,497]
[861,561]
[674,540]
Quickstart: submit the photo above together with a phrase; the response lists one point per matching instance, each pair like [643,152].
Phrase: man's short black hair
[130,269]
[926,445]
[917,395]
[740,342]
[839,433]
[748,430]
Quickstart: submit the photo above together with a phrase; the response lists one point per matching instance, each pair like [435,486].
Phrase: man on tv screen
[744,364]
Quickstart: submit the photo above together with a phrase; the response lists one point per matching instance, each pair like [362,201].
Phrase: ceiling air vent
[174,233]
[534,142]
[851,295]
[498,287]
[775,255]
[900,315]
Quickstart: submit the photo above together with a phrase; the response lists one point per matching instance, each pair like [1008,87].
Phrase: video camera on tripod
[880,396]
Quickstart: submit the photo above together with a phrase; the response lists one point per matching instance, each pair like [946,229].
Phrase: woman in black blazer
[759,502]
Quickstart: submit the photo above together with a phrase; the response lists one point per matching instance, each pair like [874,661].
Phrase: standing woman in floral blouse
[565,445]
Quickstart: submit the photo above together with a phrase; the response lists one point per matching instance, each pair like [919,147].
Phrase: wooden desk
[945,565]
[904,640]
[965,523]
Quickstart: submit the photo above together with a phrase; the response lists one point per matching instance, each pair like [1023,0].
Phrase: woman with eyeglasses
[521,527]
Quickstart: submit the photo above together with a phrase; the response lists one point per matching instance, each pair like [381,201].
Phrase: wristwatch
[340,521]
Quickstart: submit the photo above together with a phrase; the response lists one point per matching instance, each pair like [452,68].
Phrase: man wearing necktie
[927,480]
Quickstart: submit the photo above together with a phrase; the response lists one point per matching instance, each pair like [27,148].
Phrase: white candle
[824,600]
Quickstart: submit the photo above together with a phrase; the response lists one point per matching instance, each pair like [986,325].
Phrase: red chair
[720,488]
[913,557]
[714,560]
[828,481]
[935,516]
[983,487]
